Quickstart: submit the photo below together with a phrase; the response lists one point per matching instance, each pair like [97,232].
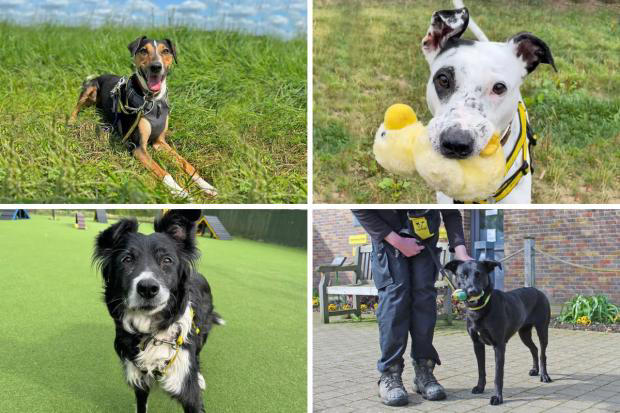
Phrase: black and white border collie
[162,308]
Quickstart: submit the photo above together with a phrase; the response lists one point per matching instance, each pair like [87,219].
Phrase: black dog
[493,316]
[162,307]
[137,107]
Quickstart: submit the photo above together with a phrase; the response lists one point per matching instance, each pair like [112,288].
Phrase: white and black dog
[473,92]
[162,308]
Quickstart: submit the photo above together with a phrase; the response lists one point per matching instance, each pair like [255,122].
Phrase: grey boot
[425,382]
[391,388]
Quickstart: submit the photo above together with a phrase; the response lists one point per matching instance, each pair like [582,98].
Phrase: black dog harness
[129,100]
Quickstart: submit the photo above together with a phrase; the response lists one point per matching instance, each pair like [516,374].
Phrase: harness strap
[525,141]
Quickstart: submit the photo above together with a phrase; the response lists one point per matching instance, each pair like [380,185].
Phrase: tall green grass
[367,56]
[238,115]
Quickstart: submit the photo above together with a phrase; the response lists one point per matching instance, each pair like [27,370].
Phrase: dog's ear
[180,225]
[531,50]
[135,45]
[489,265]
[453,265]
[445,25]
[172,48]
[110,238]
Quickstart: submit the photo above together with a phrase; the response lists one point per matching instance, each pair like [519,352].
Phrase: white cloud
[241,10]
[188,6]
[279,20]
[142,5]
[54,4]
[10,4]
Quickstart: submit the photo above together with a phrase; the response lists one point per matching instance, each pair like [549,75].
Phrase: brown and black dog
[137,107]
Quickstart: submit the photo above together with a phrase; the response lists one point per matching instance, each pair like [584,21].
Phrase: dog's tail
[217,319]
[477,31]
[89,81]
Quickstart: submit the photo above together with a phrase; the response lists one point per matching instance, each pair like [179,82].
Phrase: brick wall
[331,229]
[586,237]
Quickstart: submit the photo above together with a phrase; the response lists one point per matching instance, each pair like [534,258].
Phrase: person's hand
[408,246]
[460,253]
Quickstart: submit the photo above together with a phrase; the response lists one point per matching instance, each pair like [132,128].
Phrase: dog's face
[146,274]
[153,59]
[473,277]
[473,89]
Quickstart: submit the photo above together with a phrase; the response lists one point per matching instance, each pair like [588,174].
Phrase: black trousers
[407,303]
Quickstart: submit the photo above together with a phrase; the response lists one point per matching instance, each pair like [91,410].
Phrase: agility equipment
[80,222]
[402,146]
[214,227]
[100,216]
[13,214]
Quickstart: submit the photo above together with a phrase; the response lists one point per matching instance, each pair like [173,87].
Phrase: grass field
[238,115]
[367,56]
[57,353]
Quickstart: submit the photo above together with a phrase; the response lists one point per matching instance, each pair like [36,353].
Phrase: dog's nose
[472,292]
[156,67]
[148,288]
[456,143]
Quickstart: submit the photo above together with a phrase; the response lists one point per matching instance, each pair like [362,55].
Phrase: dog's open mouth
[154,82]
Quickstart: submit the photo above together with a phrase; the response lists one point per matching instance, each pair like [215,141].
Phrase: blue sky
[278,17]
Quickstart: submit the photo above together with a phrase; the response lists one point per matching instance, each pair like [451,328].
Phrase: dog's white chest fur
[155,361]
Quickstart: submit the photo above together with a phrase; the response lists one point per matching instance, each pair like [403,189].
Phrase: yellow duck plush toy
[402,147]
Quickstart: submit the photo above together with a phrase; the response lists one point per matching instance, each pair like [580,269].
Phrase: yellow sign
[361,239]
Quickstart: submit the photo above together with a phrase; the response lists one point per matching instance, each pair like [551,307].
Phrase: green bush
[597,308]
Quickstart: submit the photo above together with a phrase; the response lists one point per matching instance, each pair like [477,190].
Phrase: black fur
[122,254]
[505,314]
[532,50]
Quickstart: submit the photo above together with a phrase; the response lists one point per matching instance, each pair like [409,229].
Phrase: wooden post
[529,266]
[323,297]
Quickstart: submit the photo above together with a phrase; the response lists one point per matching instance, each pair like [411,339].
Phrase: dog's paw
[545,378]
[477,390]
[495,400]
[534,372]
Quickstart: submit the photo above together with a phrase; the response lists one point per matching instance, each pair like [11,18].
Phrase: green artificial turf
[238,115]
[56,352]
[367,56]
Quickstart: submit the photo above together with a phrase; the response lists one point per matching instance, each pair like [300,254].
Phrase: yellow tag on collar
[180,341]
[420,227]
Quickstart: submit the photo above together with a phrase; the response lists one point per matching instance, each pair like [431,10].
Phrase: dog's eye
[165,51]
[167,260]
[443,81]
[127,259]
[499,88]
[143,50]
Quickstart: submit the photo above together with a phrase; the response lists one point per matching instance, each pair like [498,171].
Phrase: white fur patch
[154,358]
[175,188]
[204,185]
[201,382]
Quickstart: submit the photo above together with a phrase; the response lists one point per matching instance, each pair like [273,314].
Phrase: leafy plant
[596,309]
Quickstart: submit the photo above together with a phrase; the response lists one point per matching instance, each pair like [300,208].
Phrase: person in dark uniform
[404,273]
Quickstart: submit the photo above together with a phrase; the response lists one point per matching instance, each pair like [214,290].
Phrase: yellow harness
[176,345]
[526,138]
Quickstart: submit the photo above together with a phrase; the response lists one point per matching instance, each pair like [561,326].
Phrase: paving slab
[584,366]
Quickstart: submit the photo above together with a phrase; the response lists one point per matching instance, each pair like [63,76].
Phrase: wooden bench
[363,283]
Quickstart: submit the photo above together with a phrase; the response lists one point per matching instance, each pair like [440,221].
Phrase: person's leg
[394,310]
[422,325]
[423,307]
[392,275]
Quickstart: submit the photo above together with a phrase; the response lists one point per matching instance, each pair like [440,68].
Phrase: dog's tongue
[154,83]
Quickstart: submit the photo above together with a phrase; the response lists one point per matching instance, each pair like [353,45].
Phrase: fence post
[529,265]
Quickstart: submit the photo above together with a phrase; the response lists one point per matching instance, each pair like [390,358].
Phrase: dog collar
[524,142]
[480,307]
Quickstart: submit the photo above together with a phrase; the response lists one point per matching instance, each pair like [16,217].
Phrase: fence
[286,227]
